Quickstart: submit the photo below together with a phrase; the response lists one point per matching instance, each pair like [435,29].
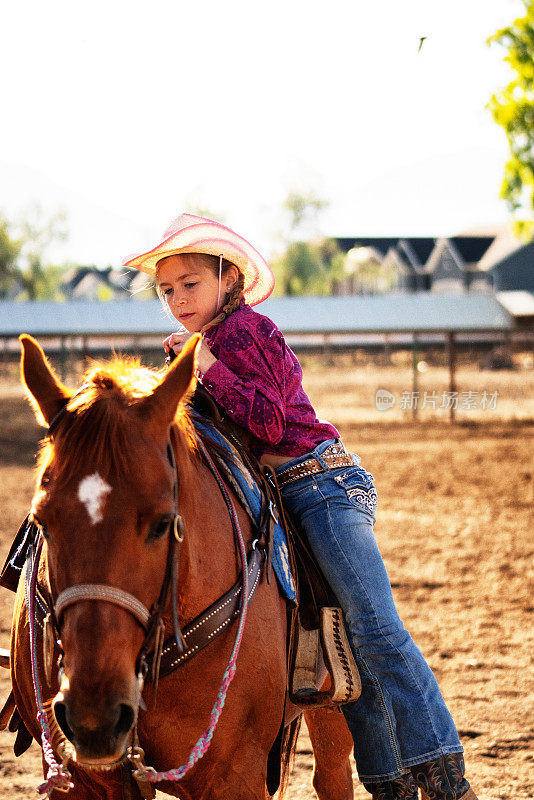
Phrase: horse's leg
[332,746]
[244,779]
[240,775]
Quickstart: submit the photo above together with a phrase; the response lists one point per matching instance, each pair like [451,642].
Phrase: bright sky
[120,113]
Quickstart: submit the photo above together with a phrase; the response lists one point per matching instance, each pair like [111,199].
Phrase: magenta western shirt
[257,379]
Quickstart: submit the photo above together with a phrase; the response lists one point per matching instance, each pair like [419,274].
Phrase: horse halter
[150,620]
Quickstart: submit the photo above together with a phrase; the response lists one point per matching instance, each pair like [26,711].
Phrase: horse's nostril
[125,720]
[60,711]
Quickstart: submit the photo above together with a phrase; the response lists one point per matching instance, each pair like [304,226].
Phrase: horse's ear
[47,395]
[162,403]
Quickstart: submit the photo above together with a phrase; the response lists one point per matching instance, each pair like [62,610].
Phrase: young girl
[209,277]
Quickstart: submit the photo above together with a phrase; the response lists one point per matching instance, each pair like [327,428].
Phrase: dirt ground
[455,525]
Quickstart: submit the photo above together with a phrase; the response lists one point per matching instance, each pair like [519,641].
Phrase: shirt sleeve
[247,380]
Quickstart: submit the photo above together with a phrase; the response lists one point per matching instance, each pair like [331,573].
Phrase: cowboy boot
[402,788]
[443,779]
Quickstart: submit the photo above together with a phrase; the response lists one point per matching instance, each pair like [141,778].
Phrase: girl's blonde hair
[234,295]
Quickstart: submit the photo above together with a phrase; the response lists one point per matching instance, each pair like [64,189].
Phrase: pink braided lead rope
[58,776]
[202,745]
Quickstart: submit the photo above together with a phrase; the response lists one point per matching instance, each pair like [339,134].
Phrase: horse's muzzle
[99,738]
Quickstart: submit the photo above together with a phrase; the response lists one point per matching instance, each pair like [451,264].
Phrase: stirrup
[321,654]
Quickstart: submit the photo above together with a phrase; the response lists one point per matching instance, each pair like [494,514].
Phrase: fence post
[63,359]
[387,350]
[415,396]
[327,350]
[451,347]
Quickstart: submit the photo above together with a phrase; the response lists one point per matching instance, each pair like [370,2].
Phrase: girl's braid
[234,298]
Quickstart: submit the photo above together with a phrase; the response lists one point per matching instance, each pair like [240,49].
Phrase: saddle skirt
[249,494]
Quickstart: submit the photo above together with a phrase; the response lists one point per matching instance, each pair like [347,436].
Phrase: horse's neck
[208,564]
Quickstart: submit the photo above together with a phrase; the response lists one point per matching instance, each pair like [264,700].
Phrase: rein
[59,777]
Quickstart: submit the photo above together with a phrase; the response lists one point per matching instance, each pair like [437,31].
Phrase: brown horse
[104,503]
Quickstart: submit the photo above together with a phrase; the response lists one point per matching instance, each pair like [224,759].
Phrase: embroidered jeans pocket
[360,489]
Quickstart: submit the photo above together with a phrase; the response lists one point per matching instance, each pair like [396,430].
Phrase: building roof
[421,245]
[419,311]
[504,243]
[518,303]
[472,248]
[516,271]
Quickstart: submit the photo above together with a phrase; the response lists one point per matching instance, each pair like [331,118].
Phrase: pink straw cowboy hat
[192,234]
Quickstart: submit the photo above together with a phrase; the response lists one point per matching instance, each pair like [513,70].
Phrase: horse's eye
[159,527]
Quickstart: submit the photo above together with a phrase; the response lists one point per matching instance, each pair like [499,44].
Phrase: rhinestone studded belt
[335,456]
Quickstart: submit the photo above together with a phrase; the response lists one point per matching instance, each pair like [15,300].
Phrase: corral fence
[415,352]
[415,331]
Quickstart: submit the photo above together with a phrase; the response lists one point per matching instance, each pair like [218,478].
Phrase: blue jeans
[400,718]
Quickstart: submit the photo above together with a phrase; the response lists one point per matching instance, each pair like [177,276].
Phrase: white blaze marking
[91,492]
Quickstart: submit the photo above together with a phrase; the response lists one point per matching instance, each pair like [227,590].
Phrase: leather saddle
[321,666]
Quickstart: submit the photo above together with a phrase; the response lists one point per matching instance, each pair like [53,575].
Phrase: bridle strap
[150,621]
[176,535]
[109,594]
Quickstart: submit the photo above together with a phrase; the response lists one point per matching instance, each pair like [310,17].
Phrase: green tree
[365,272]
[38,233]
[25,272]
[304,266]
[512,107]
[303,209]
[300,268]
[9,253]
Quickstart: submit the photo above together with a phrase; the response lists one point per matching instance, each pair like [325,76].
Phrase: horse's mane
[98,428]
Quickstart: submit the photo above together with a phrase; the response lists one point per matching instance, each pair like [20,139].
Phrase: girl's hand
[176,342]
